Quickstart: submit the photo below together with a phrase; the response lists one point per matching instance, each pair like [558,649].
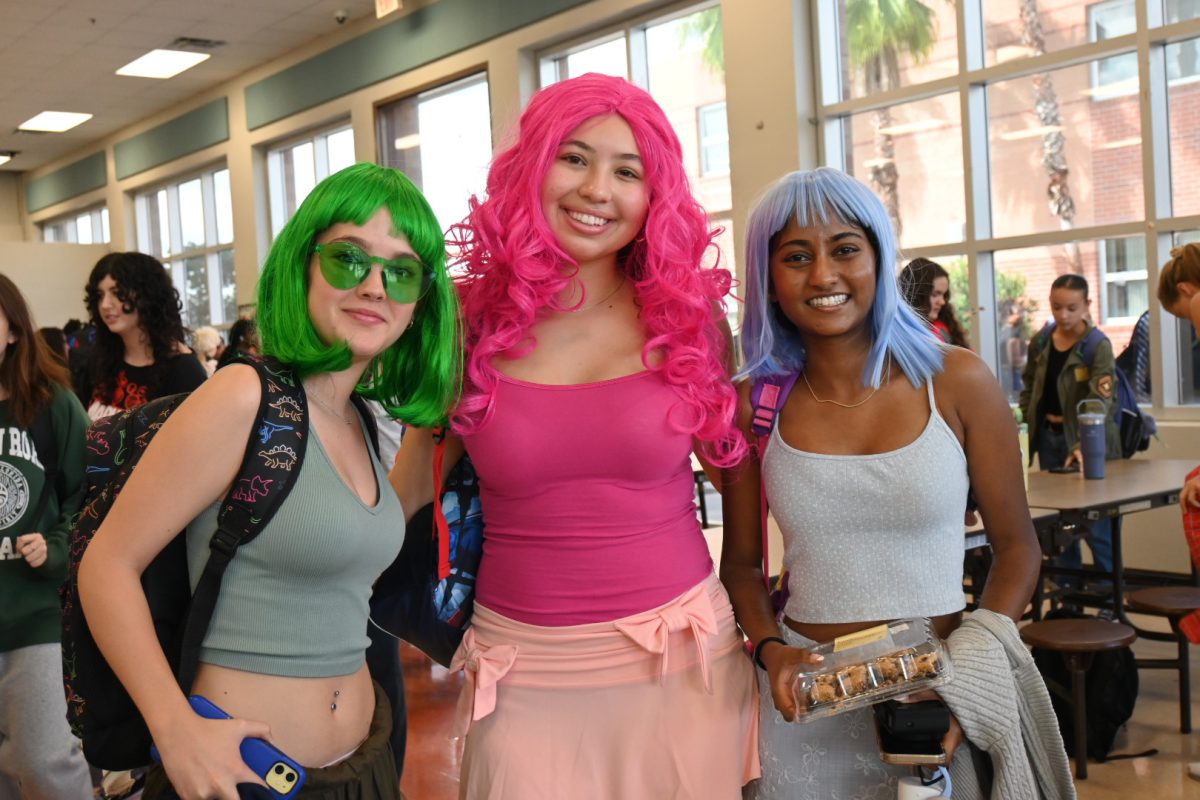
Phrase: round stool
[1174,603]
[1078,640]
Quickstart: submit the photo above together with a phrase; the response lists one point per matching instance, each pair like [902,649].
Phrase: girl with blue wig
[866,469]
[354,298]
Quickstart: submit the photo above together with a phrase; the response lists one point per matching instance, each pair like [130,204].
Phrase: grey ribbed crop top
[871,537]
[294,600]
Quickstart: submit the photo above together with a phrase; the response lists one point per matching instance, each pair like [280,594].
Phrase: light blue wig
[770,343]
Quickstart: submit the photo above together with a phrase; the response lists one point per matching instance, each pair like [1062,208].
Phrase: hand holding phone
[283,775]
[912,733]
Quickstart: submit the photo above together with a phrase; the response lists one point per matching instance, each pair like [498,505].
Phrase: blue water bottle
[1091,438]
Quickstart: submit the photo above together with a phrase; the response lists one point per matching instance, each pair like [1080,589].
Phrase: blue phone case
[283,776]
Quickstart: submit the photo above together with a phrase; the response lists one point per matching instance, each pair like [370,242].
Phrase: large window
[295,168]
[442,140]
[1075,162]
[1119,74]
[679,59]
[188,225]
[82,227]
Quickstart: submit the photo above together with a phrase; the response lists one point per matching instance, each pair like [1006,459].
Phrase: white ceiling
[61,55]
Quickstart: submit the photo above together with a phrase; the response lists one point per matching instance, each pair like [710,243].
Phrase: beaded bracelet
[759,647]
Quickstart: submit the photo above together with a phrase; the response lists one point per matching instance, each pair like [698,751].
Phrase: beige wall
[10,207]
[51,276]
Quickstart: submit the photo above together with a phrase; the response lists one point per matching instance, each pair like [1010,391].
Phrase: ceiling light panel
[54,121]
[162,64]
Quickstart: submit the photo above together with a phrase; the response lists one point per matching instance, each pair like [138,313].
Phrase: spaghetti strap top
[871,537]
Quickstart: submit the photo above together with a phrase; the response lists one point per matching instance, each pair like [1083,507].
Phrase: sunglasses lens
[343,265]
[405,281]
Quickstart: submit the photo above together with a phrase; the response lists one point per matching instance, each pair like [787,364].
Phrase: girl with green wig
[354,297]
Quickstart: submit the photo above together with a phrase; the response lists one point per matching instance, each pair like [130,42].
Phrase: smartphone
[1064,470]
[910,734]
[283,775]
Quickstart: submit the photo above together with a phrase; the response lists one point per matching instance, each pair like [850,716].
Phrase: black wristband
[758,648]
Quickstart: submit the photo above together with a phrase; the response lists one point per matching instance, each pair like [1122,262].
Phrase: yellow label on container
[860,638]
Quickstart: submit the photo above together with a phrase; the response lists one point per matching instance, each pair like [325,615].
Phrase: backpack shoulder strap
[1043,336]
[264,480]
[368,417]
[1089,344]
[767,397]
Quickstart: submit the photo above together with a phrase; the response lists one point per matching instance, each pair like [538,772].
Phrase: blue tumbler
[1091,438]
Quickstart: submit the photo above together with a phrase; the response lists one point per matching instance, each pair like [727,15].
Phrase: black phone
[911,733]
[1064,470]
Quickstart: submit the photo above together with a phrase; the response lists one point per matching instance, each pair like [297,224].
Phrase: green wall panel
[423,36]
[70,181]
[195,130]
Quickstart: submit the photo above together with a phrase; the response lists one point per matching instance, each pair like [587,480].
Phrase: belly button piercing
[333,705]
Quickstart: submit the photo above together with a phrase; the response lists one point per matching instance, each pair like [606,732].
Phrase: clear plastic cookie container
[860,669]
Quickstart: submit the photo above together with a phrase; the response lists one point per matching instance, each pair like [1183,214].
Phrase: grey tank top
[294,600]
[871,537]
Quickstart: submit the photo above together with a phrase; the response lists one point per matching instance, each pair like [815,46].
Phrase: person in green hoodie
[42,427]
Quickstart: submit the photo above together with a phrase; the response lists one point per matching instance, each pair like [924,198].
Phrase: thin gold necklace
[328,410]
[606,298]
[835,402]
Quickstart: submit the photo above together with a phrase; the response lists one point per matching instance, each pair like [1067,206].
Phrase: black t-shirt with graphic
[183,373]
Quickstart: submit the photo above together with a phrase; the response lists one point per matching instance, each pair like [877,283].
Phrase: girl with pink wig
[603,659]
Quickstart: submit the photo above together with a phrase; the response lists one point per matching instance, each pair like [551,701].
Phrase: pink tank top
[588,502]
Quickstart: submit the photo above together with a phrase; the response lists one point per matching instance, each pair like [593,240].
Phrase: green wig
[417,379]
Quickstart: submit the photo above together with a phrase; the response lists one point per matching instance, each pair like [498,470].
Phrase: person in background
[866,469]
[80,339]
[42,427]
[602,659]
[243,338]
[1056,380]
[208,344]
[1179,295]
[57,342]
[926,286]
[139,353]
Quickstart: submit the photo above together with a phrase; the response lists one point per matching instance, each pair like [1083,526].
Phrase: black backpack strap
[46,444]
[269,467]
[368,417]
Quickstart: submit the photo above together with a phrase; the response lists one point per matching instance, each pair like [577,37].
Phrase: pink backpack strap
[767,397]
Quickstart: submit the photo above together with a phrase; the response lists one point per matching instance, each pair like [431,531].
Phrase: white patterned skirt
[836,758]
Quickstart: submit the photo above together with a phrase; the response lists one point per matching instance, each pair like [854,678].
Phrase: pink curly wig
[514,266]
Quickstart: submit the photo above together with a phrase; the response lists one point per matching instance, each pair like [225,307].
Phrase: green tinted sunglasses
[346,265]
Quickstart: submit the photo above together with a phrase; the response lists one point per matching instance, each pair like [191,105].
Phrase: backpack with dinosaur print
[99,709]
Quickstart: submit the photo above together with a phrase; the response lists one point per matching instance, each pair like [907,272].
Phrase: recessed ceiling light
[54,121]
[6,156]
[162,64]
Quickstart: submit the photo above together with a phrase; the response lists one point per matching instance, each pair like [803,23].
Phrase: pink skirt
[656,706]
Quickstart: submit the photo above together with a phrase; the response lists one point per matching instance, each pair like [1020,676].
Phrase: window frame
[282,203]
[148,202]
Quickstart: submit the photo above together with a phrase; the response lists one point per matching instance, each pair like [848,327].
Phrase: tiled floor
[432,763]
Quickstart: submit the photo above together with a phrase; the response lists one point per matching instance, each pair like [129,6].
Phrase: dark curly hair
[916,284]
[144,286]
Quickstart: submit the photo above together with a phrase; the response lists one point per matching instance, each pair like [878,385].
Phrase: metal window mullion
[981,268]
[141,222]
[276,191]
[320,157]
[216,305]
[174,219]
[208,202]
[829,59]
[637,56]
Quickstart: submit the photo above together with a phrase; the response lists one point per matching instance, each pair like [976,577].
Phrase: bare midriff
[827,632]
[299,710]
